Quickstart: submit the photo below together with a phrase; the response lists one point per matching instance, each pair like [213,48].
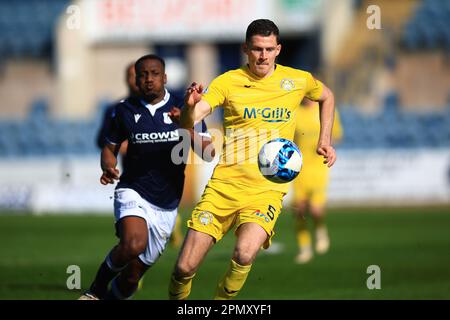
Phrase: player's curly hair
[262,27]
[149,57]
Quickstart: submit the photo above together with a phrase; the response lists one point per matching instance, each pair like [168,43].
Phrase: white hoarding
[191,21]
[369,177]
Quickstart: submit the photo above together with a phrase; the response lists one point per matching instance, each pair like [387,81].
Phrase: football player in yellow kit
[310,187]
[260,102]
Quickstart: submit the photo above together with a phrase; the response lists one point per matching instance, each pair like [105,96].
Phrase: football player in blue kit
[108,114]
[149,190]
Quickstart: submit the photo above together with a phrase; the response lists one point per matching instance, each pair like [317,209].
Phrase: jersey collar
[254,76]
[153,107]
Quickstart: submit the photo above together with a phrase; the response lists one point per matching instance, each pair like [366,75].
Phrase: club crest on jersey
[287,84]
[205,218]
[167,119]
[136,117]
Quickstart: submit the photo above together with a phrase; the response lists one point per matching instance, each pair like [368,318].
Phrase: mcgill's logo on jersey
[268,114]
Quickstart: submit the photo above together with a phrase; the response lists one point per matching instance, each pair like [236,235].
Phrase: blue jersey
[151,135]
[108,115]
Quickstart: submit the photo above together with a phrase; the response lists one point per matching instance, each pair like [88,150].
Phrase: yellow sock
[140,283]
[179,289]
[303,235]
[232,282]
[177,236]
[303,238]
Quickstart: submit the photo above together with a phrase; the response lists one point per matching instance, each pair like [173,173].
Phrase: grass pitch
[411,247]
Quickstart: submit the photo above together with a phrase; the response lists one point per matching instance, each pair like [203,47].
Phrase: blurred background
[63,62]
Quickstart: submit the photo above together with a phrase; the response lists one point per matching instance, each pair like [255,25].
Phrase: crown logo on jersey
[287,84]
[136,117]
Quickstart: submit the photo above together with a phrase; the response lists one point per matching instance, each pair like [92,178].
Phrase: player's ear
[244,47]
[165,78]
[136,79]
[278,49]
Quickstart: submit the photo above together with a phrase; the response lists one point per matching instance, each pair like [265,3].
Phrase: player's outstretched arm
[195,108]
[108,164]
[201,144]
[324,147]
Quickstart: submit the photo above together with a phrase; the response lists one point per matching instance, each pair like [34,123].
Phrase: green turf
[411,246]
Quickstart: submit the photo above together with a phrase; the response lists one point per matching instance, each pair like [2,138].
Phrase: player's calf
[107,271]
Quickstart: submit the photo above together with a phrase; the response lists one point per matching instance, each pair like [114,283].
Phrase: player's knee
[244,256]
[184,269]
[133,247]
[317,212]
[301,208]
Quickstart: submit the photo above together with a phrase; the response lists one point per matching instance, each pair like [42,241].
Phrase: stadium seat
[428,26]
[25,27]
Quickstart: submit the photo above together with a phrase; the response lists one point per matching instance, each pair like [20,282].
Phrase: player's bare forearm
[109,157]
[108,163]
[324,147]
[187,118]
[202,146]
[123,147]
[326,119]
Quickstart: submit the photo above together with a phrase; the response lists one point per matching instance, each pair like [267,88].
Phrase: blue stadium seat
[39,134]
[411,39]
[39,108]
[428,26]
[26,26]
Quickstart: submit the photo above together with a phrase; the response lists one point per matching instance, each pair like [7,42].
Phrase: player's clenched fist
[109,175]
[175,114]
[329,154]
[193,94]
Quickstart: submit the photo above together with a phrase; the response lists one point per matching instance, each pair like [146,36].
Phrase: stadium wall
[395,177]
[360,177]
[381,177]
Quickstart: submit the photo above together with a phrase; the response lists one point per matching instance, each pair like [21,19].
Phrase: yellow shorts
[311,185]
[224,206]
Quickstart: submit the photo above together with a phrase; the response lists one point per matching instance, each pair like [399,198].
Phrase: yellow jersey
[256,110]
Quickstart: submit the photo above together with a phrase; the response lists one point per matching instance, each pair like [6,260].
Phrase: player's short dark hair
[149,57]
[262,27]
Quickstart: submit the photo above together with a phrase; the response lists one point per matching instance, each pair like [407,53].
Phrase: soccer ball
[280,160]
